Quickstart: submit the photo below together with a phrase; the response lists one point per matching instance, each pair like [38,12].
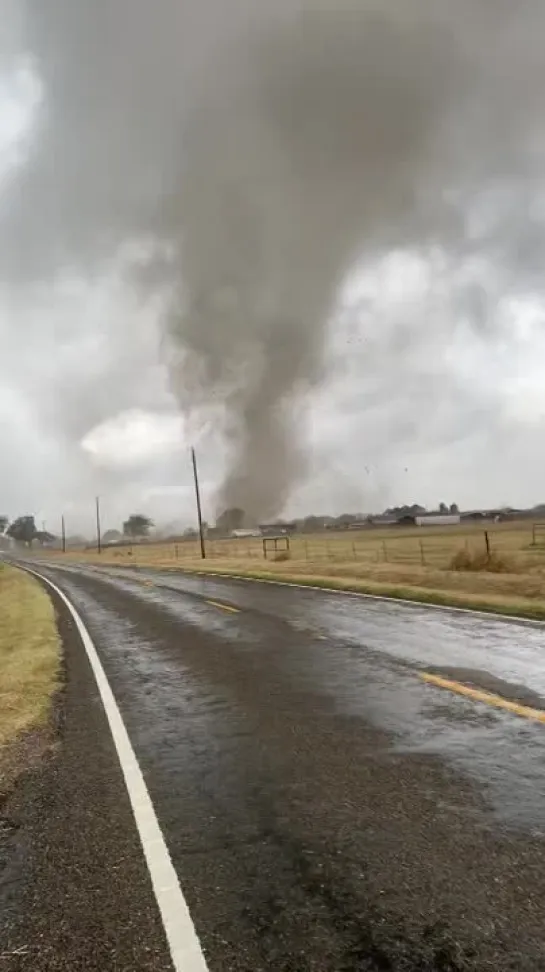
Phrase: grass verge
[518,607]
[498,583]
[29,669]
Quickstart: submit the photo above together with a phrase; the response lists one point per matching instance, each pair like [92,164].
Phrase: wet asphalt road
[326,809]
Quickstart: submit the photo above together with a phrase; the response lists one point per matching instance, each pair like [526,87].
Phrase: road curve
[325,807]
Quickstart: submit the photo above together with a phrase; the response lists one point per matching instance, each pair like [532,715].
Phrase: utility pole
[99,540]
[198,498]
[63,534]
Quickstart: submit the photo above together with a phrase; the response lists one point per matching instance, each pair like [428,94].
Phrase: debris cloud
[252,154]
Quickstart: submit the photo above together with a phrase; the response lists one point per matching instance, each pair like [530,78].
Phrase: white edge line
[407,602]
[183,943]
[383,598]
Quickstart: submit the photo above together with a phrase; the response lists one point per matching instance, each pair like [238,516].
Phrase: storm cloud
[234,164]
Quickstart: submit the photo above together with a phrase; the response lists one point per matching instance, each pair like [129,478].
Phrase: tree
[137,525]
[408,510]
[443,508]
[454,509]
[4,520]
[23,530]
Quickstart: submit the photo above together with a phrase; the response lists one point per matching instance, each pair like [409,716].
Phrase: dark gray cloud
[252,154]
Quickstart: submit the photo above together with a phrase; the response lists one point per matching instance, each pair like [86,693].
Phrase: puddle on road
[520,694]
[338,653]
[503,754]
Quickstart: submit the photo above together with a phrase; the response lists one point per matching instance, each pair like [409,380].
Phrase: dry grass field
[29,667]
[440,564]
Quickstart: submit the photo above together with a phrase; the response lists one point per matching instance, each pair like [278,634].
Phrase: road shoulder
[512,609]
[30,674]
[75,892]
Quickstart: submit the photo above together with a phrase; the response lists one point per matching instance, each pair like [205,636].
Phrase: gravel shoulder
[74,890]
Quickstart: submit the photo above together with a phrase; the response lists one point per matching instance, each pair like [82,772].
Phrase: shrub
[481,560]
[282,556]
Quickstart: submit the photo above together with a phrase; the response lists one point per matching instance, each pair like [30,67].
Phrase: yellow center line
[489,698]
[224,607]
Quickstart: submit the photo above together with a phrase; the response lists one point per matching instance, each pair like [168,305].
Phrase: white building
[438,519]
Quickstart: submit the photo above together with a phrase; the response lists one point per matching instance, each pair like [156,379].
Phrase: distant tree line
[416,510]
[236,519]
[24,532]
[138,526]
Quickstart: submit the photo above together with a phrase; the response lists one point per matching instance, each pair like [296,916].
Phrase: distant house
[112,537]
[277,529]
[389,519]
[431,519]
[498,515]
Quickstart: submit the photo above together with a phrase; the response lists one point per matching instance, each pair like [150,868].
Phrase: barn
[438,519]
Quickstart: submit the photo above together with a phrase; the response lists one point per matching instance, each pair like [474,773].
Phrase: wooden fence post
[487,541]
[422,557]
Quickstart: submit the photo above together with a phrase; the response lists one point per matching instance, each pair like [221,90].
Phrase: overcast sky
[431,386]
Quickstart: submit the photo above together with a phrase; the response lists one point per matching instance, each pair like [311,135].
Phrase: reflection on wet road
[291,746]
[365,658]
